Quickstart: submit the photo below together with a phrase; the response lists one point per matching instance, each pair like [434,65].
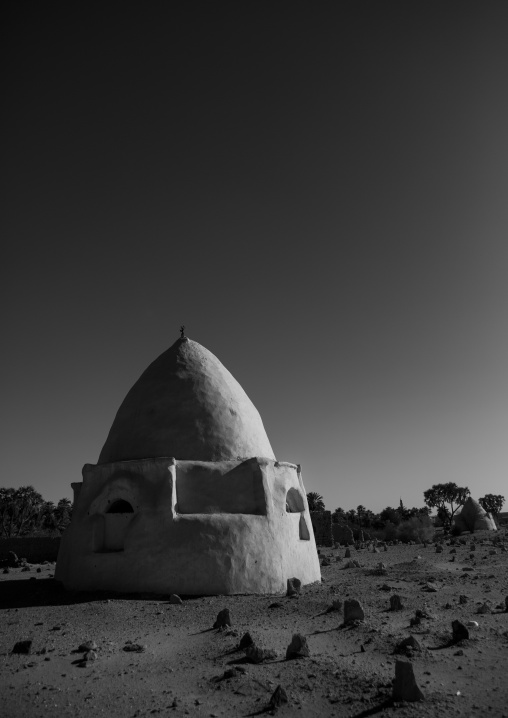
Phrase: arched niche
[116,519]
[295,505]
[303,529]
[294,501]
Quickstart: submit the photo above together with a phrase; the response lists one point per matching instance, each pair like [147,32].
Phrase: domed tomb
[187,405]
[187,496]
[473,517]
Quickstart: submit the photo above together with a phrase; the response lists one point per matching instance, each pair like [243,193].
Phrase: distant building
[473,517]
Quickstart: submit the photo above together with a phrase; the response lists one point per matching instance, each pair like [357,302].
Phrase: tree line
[23,512]
[446,499]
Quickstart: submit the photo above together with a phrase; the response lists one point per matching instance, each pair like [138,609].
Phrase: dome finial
[182,331]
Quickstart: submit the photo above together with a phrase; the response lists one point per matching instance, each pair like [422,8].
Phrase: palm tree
[315,501]
[368,518]
[338,515]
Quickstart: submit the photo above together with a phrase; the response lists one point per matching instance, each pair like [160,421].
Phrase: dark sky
[318,191]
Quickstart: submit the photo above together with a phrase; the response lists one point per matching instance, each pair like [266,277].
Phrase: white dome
[186,405]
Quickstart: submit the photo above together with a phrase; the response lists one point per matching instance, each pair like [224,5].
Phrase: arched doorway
[116,519]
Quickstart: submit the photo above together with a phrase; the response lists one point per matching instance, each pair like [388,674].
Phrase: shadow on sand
[376,709]
[30,592]
[24,593]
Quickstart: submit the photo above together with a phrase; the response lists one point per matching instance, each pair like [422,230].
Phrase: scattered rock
[294,586]
[353,611]
[386,587]
[325,562]
[347,554]
[276,604]
[175,599]
[256,654]
[484,608]
[336,605]
[279,697]
[408,645]
[395,603]
[223,619]
[472,624]
[87,646]
[405,687]
[23,647]
[229,673]
[134,647]
[430,587]
[90,656]
[352,563]
[460,652]
[245,641]
[439,548]
[463,599]
[459,631]
[298,647]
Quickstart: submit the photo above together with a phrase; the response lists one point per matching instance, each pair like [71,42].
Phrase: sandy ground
[181,670]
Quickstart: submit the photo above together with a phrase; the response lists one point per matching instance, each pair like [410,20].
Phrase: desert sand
[155,657]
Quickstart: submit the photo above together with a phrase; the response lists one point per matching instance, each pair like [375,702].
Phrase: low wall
[322,525]
[342,534]
[35,549]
